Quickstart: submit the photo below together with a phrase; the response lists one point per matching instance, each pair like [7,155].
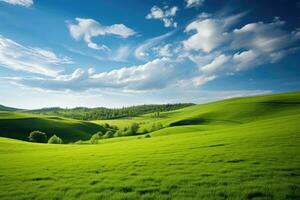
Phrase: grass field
[242,148]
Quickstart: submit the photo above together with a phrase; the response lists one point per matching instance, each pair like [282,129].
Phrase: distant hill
[83,113]
[10,109]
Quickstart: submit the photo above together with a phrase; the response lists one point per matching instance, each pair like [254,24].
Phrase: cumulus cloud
[25,3]
[166,15]
[218,49]
[30,59]
[86,29]
[193,3]
[156,74]
[209,35]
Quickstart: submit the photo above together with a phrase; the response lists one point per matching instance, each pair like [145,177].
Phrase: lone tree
[55,140]
[38,136]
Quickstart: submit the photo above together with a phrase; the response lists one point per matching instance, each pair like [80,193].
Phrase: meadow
[241,148]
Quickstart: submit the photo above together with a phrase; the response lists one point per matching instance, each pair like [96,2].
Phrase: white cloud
[141,50]
[25,3]
[266,37]
[194,3]
[218,50]
[165,51]
[201,80]
[217,65]
[121,54]
[209,35]
[29,59]
[165,15]
[156,74]
[89,28]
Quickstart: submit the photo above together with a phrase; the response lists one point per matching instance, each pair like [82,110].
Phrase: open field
[243,148]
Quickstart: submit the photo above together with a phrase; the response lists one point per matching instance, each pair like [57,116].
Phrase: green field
[242,148]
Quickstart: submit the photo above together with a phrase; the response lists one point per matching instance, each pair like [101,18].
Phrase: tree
[55,140]
[134,128]
[95,138]
[38,136]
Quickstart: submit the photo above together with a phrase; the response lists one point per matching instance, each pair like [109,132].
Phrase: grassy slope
[226,113]
[19,125]
[235,149]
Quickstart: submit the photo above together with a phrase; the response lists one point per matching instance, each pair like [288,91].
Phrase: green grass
[244,148]
[19,125]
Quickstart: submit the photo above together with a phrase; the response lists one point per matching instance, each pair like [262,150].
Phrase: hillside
[19,125]
[242,148]
[225,113]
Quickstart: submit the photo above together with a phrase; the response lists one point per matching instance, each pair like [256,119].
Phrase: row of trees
[41,137]
[108,113]
[110,132]
[133,129]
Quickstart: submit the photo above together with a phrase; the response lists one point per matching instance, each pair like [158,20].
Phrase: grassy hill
[225,113]
[242,148]
[19,125]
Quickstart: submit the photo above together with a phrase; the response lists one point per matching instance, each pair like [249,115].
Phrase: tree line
[83,113]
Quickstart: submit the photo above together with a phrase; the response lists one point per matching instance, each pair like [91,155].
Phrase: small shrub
[119,133]
[156,127]
[55,140]
[147,136]
[108,134]
[95,138]
[79,142]
[38,136]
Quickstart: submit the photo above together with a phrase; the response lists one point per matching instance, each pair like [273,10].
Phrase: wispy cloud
[30,59]
[89,28]
[194,3]
[25,3]
[141,50]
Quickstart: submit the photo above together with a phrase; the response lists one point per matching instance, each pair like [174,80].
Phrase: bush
[119,133]
[134,128]
[108,134]
[38,136]
[156,127]
[147,136]
[55,140]
[95,138]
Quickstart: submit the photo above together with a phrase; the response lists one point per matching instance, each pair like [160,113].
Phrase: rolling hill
[19,125]
[241,148]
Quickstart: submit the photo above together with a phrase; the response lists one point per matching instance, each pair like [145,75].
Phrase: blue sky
[118,53]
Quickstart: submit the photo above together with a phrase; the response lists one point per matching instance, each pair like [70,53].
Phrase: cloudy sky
[118,53]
